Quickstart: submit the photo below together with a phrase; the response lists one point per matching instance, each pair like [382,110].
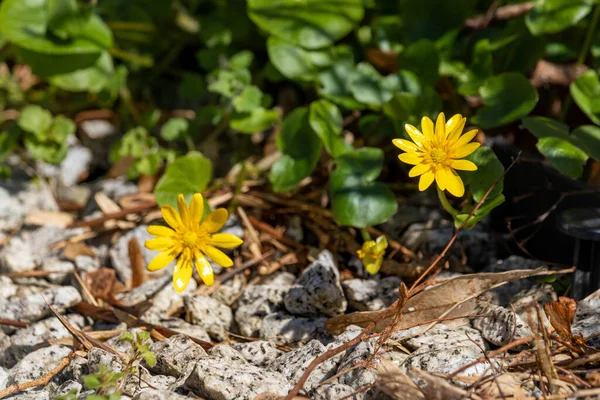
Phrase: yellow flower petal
[205,270]
[182,275]
[215,220]
[217,256]
[171,216]
[426,180]
[372,265]
[161,260]
[225,240]
[455,129]
[440,127]
[405,145]
[197,209]
[466,138]
[410,158]
[184,211]
[159,244]
[427,128]
[418,169]
[453,183]
[440,178]
[414,134]
[159,230]
[465,150]
[381,244]
[463,165]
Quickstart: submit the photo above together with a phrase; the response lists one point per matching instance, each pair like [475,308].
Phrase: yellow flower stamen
[190,239]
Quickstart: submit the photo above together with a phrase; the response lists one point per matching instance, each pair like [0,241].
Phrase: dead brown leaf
[394,382]
[560,314]
[502,386]
[103,284]
[452,298]
[74,249]
[436,388]
[106,204]
[49,218]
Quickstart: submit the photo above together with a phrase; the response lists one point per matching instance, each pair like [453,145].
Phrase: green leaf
[66,19]
[421,57]
[127,336]
[257,120]
[543,127]
[506,98]
[355,199]
[47,151]
[301,148]
[586,93]
[229,83]
[334,84]
[142,336]
[8,142]
[293,61]
[241,60]
[92,79]
[563,155]
[432,19]
[92,382]
[35,119]
[482,212]
[587,138]
[308,23]
[414,101]
[479,70]
[489,169]
[174,129]
[369,87]
[188,174]
[61,128]
[25,24]
[248,100]
[552,16]
[326,121]
[150,358]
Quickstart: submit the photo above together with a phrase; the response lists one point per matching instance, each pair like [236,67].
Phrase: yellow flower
[191,240]
[436,152]
[372,253]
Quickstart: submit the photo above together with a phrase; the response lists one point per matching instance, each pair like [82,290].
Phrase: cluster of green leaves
[140,347]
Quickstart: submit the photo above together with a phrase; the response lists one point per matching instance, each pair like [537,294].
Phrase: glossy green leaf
[175,129]
[432,19]
[586,93]
[587,138]
[355,199]
[552,16]
[66,19]
[256,120]
[92,79]
[479,70]
[293,61]
[421,57]
[187,175]
[413,101]
[369,87]
[326,121]
[25,24]
[334,84]
[301,148]
[249,99]
[489,169]
[506,98]
[563,155]
[482,212]
[308,23]
[36,120]
[543,127]
[48,151]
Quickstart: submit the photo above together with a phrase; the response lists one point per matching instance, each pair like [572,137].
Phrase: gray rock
[77,195]
[318,290]
[447,360]
[142,379]
[539,294]
[98,356]
[287,329]
[76,370]
[226,353]
[99,135]
[145,291]
[501,325]
[126,346]
[258,301]
[475,243]
[165,300]
[3,378]
[503,295]
[119,254]
[335,391]
[33,308]
[75,165]
[9,289]
[371,294]
[66,388]
[587,318]
[113,188]
[18,196]
[63,269]
[213,316]
[293,364]
[39,394]
[37,364]
[228,292]
[23,341]
[405,216]
[153,394]
[221,381]
[361,376]
[260,353]
[87,263]
[441,335]
[174,354]
[181,326]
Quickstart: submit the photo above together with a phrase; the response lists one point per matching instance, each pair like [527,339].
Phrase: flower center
[438,156]
[189,239]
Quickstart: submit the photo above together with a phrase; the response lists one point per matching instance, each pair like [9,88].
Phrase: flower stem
[365,234]
[446,204]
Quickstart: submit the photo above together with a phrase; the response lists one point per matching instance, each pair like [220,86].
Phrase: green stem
[131,26]
[587,42]
[131,57]
[446,204]
[365,234]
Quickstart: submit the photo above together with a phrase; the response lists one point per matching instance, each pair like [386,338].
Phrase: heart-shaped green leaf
[335,84]
[369,87]
[295,62]
[174,129]
[586,93]
[188,174]
[36,120]
[257,120]
[587,138]
[249,99]
[311,24]
[506,98]
[563,155]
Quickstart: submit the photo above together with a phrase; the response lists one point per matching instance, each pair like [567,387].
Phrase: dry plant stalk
[138,271]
